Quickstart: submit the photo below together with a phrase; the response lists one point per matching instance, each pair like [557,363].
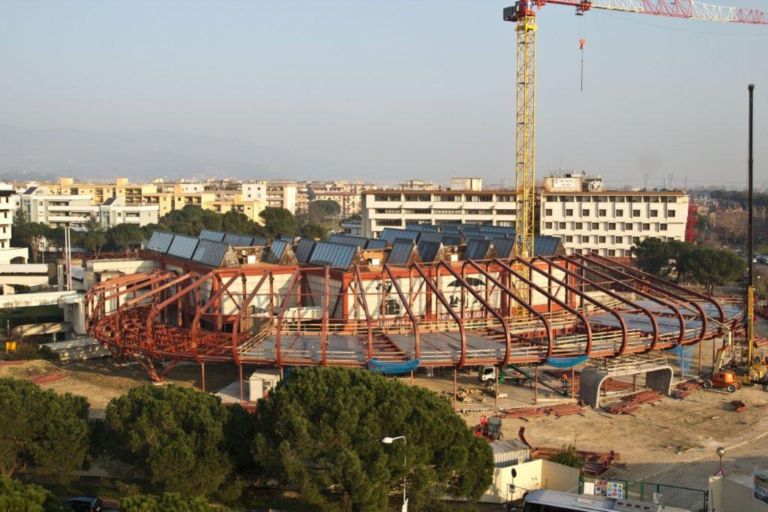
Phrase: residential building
[416,184]
[254,191]
[282,195]
[475,184]
[115,211]
[590,219]
[396,208]
[8,209]
[58,210]
[350,202]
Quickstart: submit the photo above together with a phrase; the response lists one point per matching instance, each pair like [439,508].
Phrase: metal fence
[694,500]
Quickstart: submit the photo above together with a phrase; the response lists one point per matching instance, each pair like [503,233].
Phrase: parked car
[84,504]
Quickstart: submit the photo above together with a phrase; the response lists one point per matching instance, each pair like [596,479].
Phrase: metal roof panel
[333,255]
[304,250]
[400,253]
[276,251]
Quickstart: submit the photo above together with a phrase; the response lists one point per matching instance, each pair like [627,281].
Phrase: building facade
[114,211]
[590,219]
[396,208]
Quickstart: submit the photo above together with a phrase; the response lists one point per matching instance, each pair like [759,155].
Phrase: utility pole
[750,283]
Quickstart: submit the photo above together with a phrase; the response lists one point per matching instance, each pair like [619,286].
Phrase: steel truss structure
[449,314]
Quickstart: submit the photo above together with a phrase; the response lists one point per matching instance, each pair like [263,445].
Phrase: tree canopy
[174,435]
[713,267]
[168,502]
[661,258]
[321,210]
[16,496]
[125,236]
[320,433]
[279,221]
[42,432]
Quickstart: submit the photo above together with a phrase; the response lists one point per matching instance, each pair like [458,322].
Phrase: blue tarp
[565,362]
[393,368]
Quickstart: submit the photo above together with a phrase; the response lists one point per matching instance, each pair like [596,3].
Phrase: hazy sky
[388,90]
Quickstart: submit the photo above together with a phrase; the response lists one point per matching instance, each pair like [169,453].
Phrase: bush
[568,456]
[169,502]
[17,497]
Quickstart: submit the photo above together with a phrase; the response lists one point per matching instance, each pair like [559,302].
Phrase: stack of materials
[633,402]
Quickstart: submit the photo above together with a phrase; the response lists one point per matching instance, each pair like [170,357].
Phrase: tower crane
[523,13]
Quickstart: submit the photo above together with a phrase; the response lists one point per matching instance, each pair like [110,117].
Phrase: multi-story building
[396,208]
[8,254]
[282,195]
[350,202]
[115,211]
[590,219]
[58,210]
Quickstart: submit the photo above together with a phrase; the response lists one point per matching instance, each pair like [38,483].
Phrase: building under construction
[419,297]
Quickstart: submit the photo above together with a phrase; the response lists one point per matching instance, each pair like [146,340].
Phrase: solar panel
[276,251]
[546,245]
[159,241]
[430,236]
[451,240]
[183,246]
[400,253]
[451,228]
[428,250]
[357,241]
[209,234]
[391,234]
[304,250]
[504,247]
[333,255]
[259,241]
[477,249]
[210,253]
[237,240]
[376,243]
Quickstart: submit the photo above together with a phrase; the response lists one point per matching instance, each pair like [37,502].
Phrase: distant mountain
[42,154]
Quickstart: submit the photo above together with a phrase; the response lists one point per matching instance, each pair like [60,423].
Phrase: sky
[392,90]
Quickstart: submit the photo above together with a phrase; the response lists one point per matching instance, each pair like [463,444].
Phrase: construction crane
[523,13]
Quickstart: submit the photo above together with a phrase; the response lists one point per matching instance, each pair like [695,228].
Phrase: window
[619,213]
[601,239]
[602,213]
[585,239]
[662,227]
[547,225]
[578,225]
[506,212]
[671,213]
[628,226]
[388,222]
[561,225]
[646,227]
[548,212]
[611,252]
[618,240]
[611,226]
[569,238]
[569,212]
[635,213]
[654,213]
[481,199]
[595,225]
[585,213]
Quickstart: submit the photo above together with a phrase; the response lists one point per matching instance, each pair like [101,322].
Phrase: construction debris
[594,463]
[550,410]
[738,406]
[684,389]
[633,402]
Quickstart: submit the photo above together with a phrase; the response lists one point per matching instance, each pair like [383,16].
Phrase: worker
[564,383]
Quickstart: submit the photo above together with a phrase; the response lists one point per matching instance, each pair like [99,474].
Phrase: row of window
[569,212]
[442,211]
[480,198]
[606,226]
[610,199]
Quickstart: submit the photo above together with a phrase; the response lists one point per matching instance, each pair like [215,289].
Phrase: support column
[535,384]
[496,387]
[242,394]
[202,375]
[455,388]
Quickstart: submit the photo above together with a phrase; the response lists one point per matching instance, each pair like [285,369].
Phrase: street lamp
[720,452]
[391,440]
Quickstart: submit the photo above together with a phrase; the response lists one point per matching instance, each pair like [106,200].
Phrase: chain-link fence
[694,500]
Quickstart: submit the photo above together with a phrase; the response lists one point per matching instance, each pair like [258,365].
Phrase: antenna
[645,181]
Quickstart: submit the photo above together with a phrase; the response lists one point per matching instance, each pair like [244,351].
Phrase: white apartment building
[114,211]
[58,210]
[590,219]
[254,191]
[282,195]
[396,208]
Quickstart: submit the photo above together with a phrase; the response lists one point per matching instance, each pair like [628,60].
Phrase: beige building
[282,195]
[8,254]
[590,219]
[475,184]
[115,211]
[350,202]
[396,208]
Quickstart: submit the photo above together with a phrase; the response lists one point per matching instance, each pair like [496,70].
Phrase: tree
[174,435]
[28,234]
[94,241]
[279,221]
[320,433]
[323,209]
[313,230]
[168,502]
[652,255]
[125,236]
[29,498]
[568,456]
[42,432]
[713,267]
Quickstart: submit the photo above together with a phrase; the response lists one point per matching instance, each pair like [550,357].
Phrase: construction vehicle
[524,14]
[490,428]
[488,374]
[723,379]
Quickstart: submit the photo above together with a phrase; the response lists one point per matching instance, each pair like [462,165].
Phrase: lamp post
[391,440]
[720,452]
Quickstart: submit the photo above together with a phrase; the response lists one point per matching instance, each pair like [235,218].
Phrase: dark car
[84,504]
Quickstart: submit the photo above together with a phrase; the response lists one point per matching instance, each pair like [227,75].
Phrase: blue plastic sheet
[393,368]
[565,362]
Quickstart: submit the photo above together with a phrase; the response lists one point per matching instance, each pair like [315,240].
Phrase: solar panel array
[159,241]
[477,249]
[504,247]
[400,253]
[210,253]
[304,250]
[333,255]
[276,251]
[357,241]
[392,234]
[209,234]
[428,250]
[237,240]
[183,247]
